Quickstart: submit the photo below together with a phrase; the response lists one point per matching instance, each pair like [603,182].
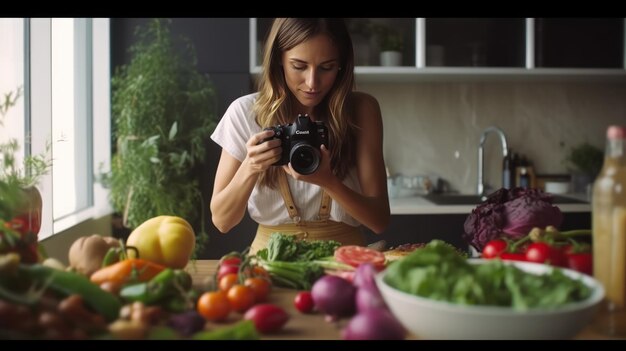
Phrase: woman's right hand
[262,155]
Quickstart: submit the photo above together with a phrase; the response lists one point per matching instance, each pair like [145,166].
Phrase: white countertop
[419,205]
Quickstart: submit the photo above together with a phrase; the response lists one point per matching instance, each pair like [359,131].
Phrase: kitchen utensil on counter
[557,187]
[407,186]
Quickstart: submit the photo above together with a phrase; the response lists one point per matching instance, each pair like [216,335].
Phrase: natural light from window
[63,68]
[71,115]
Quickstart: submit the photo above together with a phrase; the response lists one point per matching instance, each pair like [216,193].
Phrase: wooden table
[306,326]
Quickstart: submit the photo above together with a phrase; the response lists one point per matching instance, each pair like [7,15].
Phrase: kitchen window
[65,77]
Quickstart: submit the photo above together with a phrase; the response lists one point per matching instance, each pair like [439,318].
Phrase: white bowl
[431,319]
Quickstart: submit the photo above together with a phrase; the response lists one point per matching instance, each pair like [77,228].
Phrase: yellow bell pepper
[167,240]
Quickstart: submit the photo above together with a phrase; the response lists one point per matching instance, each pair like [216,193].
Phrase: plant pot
[24,227]
[581,183]
[391,58]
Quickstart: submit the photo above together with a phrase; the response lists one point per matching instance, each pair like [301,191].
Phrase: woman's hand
[321,176]
[262,154]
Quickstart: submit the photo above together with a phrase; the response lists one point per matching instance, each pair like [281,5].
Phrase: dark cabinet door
[476,42]
[579,42]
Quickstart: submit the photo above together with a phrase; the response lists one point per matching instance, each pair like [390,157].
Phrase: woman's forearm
[228,206]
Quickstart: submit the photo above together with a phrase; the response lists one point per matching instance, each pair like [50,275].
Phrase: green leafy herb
[283,247]
[297,263]
[15,177]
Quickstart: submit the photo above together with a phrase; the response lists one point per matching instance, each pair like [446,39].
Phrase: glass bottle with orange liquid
[609,233]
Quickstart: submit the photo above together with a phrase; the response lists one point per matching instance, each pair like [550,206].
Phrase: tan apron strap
[325,205]
[324,213]
[286,193]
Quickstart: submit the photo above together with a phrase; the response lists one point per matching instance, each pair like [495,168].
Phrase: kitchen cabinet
[579,43]
[450,49]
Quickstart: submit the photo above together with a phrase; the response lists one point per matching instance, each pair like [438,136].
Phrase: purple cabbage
[510,214]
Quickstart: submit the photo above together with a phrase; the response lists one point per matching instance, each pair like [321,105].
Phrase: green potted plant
[20,200]
[584,161]
[391,43]
[163,112]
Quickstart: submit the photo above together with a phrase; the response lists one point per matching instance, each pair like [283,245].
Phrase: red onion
[369,298]
[374,324]
[364,276]
[334,296]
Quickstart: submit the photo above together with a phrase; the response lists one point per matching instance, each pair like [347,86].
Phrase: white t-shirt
[265,205]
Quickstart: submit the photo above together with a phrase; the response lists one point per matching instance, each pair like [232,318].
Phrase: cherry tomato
[260,286]
[581,261]
[241,297]
[214,306]
[538,252]
[225,269]
[494,248]
[304,301]
[267,318]
[541,252]
[354,255]
[258,271]
[230,260]
[227,281]
[513,256]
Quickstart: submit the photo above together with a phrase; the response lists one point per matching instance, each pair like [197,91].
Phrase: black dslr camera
[301,142]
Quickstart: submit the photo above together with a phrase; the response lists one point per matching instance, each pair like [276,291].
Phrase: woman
[307,69]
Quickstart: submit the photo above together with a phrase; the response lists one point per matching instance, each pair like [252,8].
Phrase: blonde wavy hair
[274,102]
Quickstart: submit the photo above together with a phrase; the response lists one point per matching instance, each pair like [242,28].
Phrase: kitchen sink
[471,199]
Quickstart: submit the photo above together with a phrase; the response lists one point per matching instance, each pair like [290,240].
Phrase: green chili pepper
[152,291]
[69,283]
[182,302]
[243,330]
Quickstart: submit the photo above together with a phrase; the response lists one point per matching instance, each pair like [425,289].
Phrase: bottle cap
[616,132]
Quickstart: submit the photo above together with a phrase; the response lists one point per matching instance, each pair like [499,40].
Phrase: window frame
[38,116]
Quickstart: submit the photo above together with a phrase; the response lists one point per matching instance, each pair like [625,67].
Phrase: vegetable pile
[437,272]
[510,213]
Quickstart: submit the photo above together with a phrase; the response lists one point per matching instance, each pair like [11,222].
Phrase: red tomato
[226,269]
[494,248]
[241,297]
[304,302]
[354,255]
[230,260]
[267,318]
[260,286]
[541,252]
[581,262]
[579,258]
[511,256]
[227,281]
[538,252]
[214,306]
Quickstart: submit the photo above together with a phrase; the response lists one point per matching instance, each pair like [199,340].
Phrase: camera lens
[304,158]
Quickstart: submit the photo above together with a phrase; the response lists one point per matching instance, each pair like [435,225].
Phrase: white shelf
[421,72]
[418,205]
[366,74]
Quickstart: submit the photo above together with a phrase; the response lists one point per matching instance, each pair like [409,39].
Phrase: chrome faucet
[481,162]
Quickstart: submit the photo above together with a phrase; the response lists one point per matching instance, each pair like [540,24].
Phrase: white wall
[427,124]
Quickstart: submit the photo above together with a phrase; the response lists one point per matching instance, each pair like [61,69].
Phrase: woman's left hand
[321,176]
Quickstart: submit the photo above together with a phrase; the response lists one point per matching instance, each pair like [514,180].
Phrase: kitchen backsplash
[434,128]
